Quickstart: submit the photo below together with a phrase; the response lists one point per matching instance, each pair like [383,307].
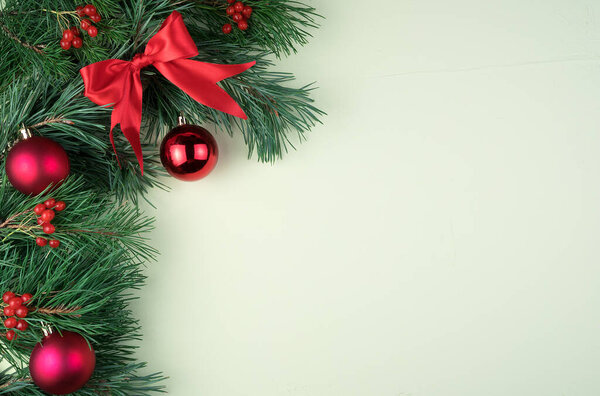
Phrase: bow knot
[140,61]
[117,83]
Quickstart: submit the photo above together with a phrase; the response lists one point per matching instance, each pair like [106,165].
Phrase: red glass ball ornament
[62,364]
[35,163]
[189,152]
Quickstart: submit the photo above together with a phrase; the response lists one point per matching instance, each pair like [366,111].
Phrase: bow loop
[117,83]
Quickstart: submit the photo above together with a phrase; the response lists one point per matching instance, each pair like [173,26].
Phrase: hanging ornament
[62,363]
[35,163]
[189,152]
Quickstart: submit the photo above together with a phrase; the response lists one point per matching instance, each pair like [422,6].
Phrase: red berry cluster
[15,306]
[46,214]
[240,14]
[72,36]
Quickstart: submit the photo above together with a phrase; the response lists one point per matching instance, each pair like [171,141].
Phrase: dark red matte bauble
[189,152]
[62,364]
[36,163]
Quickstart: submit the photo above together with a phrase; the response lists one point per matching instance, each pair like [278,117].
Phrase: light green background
[438,236]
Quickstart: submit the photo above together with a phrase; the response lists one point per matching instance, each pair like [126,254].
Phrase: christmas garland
[87,92]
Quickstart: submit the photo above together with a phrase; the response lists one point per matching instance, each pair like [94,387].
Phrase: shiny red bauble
[189,152]
[62,364]
[36,163]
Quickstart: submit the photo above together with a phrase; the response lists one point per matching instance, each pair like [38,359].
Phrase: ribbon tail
[199,80]
[112,141]
[128,114]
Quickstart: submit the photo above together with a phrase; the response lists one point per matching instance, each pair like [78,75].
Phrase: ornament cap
[25,132]
[181,120]
[46,329]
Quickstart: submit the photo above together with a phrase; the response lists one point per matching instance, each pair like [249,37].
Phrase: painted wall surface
[437,236]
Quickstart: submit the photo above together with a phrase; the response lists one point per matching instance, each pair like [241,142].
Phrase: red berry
[76,31]
[22,325]
[54,243]
[15,302]
[48,228]
[239,6]
[60,205]
[39,208]
[8,311]
[237,17]
[77,43]
[50,203]
[230,10]
[227,28]
[47,215]
[7,296]
[95,18]
[247,11]
[40,221]
[21,312]
[243,25]
[231,1]
[92,31]
[68,35]
[64,44]
[89,9]
[9,323]
[79,10]
[85,24]
[41,241]
[26,297]
[11,335]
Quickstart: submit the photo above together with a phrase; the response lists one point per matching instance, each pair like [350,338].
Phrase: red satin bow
[116,82]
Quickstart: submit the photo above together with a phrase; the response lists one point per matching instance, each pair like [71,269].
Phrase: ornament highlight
[36,163]
[189,152]
[62,364]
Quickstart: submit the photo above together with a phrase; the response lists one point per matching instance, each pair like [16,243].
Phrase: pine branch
[11,35]
[55,120]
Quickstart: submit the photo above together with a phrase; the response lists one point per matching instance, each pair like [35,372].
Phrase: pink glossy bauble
[189,152]
[35,163]
[61,364]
